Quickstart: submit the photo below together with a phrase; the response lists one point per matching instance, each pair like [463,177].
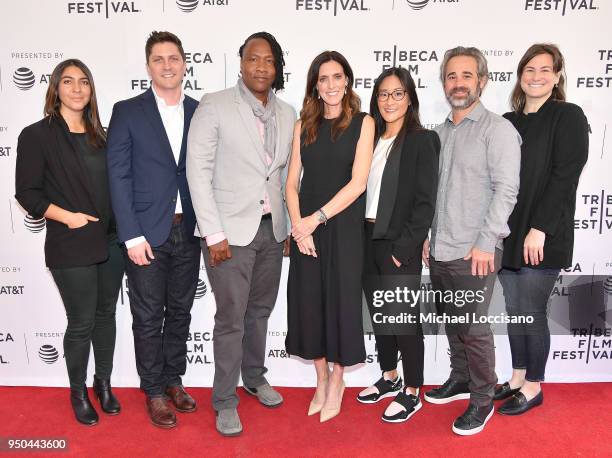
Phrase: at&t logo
[418,5]
[188,6]
[201,289]
[48,354]
[33,224]
[24,78]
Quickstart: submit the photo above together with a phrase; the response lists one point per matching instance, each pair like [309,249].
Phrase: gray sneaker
[228,422]
[267,395]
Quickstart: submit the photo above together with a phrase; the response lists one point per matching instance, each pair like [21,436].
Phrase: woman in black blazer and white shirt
[61,175]
[400,203]
[553,153]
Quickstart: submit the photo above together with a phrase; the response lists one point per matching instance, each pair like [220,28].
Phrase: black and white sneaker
[411,404]
[386,389]
[473,420]
[450,391]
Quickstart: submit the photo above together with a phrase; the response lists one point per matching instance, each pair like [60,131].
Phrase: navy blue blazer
[142,171]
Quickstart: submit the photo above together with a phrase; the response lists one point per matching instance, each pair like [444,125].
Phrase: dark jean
[89,294]
[526,292]
[161,296]
[472,347]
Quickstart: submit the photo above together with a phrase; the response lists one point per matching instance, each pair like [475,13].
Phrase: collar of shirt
[474,114]
[162,105]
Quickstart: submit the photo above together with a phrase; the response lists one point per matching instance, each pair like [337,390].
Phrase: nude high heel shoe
[315,407]
[327,413]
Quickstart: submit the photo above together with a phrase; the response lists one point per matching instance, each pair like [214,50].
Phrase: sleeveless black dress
[324,293]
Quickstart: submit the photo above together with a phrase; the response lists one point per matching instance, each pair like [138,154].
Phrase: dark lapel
[149,106]
[188,110]
[388,192]
[74,160]
[246,113]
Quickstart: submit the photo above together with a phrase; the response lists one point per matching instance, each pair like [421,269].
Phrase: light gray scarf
[266,114]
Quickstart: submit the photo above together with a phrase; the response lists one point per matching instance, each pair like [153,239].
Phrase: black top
[553,153]
[95,163]
[51,169]
[408,193]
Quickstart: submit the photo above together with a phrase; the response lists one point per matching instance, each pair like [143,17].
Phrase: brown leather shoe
[160,414]
[181,399]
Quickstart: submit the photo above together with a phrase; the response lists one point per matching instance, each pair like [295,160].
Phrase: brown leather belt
[371,220]
[178,218]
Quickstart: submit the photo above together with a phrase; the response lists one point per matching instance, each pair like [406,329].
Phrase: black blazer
[553,153]
[50,170]
[408,194]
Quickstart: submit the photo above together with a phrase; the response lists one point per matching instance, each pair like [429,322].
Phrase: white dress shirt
[173,118]
[379,160]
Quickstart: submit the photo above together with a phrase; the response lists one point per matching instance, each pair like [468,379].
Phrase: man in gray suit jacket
[238,146]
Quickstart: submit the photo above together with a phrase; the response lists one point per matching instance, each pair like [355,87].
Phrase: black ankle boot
[83,410]
[103,392]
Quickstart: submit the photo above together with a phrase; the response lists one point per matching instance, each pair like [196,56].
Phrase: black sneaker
[386,389]
[504,391]
[411,403]
[473,420]
[448,392]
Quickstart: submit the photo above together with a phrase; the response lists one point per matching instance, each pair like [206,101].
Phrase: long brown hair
[517,99]
[93,127]
[313,107]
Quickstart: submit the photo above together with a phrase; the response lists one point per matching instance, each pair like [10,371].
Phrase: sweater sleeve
[569,155]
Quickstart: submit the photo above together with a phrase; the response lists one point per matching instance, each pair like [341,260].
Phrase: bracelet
[321,216]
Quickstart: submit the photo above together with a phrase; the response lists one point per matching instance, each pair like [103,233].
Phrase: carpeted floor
[575,420]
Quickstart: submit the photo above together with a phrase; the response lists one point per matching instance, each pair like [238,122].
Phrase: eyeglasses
[397,95]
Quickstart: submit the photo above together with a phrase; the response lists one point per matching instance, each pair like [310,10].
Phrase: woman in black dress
[554,151]
[332,145]
[61,175]
[400,203]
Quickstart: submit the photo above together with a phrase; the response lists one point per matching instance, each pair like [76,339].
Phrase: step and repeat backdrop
[109,36]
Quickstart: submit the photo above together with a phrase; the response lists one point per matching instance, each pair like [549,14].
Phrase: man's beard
[463,103]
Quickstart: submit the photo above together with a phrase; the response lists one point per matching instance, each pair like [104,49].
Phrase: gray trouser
[472,351]
[245,289]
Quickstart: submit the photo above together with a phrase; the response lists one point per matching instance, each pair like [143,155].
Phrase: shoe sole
[270,406]
[456,397]
[383,396]
[471,432]
[163,426]
[533,406]
[185,411]
[401,420]
[230,434]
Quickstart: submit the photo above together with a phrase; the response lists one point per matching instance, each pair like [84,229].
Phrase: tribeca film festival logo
[560,6]
[410,59]
[332,6]
[5,337]
[188,6]
[605,55]
[199,348]
[34,225]
[190,81]
[599,212]
[48,354]
[106,8]
[418,5]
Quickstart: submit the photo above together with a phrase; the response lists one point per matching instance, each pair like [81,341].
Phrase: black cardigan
[408,194]
[50,170]
[553,153]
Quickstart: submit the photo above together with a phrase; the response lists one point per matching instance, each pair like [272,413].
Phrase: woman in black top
[61,175]
[400,203]
[554,151]
[332,144]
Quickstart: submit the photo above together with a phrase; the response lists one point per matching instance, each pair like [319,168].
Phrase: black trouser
[472,347]
[90,295]
[378,262]
[526,292]
[161,297]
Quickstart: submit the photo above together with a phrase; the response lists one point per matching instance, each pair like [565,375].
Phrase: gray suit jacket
[226,167]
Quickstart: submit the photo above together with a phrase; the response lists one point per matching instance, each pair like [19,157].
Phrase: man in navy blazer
[147,138]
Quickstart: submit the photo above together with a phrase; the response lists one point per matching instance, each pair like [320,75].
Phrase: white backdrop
[109,36]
